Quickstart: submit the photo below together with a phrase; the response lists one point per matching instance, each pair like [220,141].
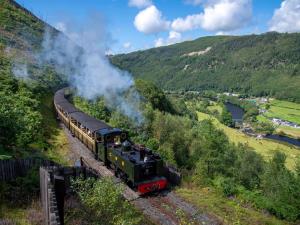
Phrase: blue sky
[140,24]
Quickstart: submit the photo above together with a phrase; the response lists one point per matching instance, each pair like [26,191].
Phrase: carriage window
[89,132]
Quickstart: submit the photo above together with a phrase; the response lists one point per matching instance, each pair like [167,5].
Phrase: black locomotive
[137,165]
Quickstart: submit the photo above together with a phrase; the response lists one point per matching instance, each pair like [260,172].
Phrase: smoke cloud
[79,54]
[20,70]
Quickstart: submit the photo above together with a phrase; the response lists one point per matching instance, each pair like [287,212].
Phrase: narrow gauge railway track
[161,208]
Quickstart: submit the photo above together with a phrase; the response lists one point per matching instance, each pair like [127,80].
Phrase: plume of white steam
[80,55]
[20,71]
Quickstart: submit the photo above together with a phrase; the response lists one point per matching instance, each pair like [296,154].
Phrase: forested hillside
[266,64]
[24,83]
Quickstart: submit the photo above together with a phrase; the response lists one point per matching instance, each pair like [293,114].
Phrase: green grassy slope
[253,64]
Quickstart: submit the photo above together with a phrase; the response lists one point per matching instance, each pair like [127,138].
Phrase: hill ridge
[256,64]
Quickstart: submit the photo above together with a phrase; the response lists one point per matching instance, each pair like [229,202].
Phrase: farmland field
[284,110]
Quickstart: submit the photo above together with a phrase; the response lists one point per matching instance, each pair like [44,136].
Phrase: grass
[289,131]
[284,110]
[56,147]
[228,210]
[215,107]
[14,214]
[22,215]
[265,147]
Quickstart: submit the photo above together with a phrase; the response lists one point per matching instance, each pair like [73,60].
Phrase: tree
[226,117]
[249,167]
[281,188]
[20,119]
[264,127]
[154,95]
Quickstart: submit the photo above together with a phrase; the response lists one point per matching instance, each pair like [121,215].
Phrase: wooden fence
[10,169]
[48,199]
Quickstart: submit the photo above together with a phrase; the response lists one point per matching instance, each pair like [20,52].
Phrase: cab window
[113,139]
[117,140]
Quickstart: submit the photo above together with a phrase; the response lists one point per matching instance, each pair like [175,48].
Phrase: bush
[105,203]
[226,117]
[264,127]
[227,185]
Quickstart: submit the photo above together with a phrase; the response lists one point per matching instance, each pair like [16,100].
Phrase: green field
[289,131]
[263,146]
[215,107]
[284,110]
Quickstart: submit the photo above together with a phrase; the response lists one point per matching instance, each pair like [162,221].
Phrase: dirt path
[165,208]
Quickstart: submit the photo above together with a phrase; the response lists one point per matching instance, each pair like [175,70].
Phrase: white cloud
[174,37]
[190,22]
[159,42]
[61,26]
[139,3]
[287,17]
[218,15]
[220,33]
[150,20]
[127,45]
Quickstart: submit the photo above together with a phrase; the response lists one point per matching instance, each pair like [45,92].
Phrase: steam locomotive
[141,168]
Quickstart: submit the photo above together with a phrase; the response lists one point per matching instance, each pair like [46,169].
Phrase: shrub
[227,185]
[105,202]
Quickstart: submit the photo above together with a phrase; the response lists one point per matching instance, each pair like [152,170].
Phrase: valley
[205,108]
[245,132]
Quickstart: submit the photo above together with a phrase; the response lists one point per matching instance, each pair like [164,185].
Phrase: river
[284,139]
[236,112]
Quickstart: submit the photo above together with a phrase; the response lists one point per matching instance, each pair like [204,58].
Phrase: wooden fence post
[60,192]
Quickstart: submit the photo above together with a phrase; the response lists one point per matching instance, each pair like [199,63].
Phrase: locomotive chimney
[142,152]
